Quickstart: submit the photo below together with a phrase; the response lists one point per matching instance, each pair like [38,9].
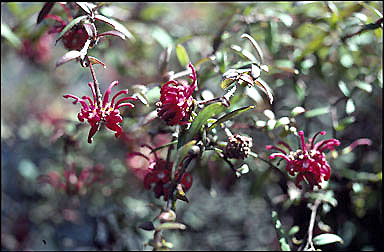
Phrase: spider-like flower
[159,175]
[73,182]
[309,162]
[108,112]
[176,101]
[75,38]
[238,147]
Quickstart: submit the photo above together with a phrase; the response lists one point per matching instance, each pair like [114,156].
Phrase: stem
[170,203]
[95,84]
[314,207]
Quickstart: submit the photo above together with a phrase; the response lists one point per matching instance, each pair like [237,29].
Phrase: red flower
[108,112]
[75,38]
[309,162]
[175,105]
[159,176]
[71,182]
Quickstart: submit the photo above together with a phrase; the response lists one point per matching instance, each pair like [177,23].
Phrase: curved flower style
[175,105]
[309,161]
[159,175]
[71,182]
[108,112]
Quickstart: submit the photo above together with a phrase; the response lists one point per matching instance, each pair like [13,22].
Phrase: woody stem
[95,84]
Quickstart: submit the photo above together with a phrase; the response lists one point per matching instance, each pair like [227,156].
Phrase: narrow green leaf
[47,7]
[8,34]
[182,55]
[344,89]
[324,239]
[230,115]
[255,45]
[71,55]
[226,83]
[69,26]
[116,25]
[313,46]
[350,106]
[364,86]
[181,154]
[293,230]
[171,225]
[260,83]
[345,123]
[316,112]
[280,231]
[199,121]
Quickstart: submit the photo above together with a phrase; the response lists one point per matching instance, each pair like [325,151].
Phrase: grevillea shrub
[193,126]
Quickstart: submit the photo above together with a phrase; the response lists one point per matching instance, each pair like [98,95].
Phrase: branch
[367,27]
[314,207]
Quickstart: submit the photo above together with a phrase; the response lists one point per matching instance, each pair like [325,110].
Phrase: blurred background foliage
[315,62]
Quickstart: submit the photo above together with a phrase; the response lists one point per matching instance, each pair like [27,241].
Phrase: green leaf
[350,106]
[255,45]
[69,26]
[244,53]
[171,225]
[293,230]
[244,169]
[116,25]
[364,86]
[324,239]
[182,55]
[47,7]
[181,154]
[316,112]
[226,83]
[313,46]
[8,34]
[345,123]
[71,55]
[344,89]
[199,121]
[280,231]
[161,36]
[230,115]
[164,146]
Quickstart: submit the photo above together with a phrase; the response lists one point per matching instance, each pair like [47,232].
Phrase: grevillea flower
[75,38]
[72,182]
[238,147]
[175,105]
[309,162]
[159,176]
[108,112]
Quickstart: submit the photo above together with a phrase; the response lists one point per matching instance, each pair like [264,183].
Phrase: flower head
[159,176]
[107,112]
[175,105]
[309,162]
[238,147]
[75,38]
[72,182]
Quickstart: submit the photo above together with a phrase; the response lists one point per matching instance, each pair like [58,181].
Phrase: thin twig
[314,207]
[96,84]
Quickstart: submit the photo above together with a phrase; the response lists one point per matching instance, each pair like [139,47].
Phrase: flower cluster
[71,182]
[175,105]
[159,175]
[309,162]
[107,111]
[74,39]
[238,147]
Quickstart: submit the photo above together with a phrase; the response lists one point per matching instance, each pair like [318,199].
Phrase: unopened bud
[238,147]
